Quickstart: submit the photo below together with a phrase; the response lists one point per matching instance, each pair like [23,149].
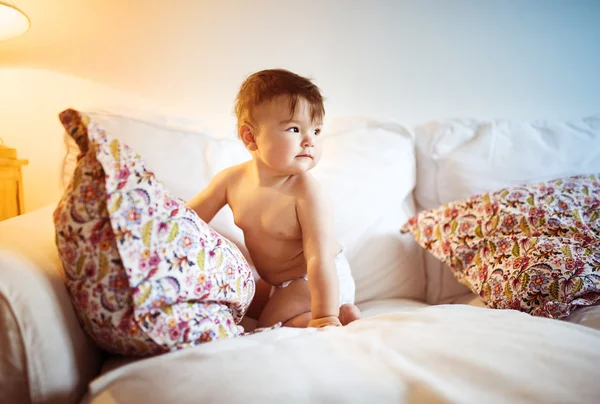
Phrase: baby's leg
[300,321]
[261,297]
[349,313]
[289,305]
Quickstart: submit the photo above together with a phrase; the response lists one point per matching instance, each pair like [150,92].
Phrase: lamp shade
[13,22]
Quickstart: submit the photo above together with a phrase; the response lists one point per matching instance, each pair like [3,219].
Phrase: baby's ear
[245,133]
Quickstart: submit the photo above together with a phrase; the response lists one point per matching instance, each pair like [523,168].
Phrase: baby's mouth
[305,156]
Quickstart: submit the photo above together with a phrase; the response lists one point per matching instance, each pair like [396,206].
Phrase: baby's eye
[294,129]
[317,132]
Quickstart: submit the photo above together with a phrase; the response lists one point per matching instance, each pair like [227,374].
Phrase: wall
[30,102]
[409,61]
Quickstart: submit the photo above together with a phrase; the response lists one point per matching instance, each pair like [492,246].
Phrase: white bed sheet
[437,354]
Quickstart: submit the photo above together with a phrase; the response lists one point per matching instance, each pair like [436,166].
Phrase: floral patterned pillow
[534,248]
[145,274]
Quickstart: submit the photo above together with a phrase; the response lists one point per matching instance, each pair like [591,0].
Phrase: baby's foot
[349,313]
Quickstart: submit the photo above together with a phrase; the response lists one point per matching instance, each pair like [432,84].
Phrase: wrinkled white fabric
[436,354]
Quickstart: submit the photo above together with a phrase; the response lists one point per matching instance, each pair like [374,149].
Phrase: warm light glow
[13,22]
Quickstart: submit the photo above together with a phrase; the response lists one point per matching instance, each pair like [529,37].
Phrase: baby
[284,214]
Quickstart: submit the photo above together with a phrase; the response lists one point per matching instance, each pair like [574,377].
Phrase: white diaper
[346,282]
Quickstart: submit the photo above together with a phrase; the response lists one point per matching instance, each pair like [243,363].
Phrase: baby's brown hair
[268,84]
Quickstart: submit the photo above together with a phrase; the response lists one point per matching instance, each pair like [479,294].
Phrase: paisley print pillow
[145,274]
[534,248]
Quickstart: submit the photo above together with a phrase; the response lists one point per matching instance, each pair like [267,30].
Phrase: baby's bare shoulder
[307,186]
[237,169]
[232,174]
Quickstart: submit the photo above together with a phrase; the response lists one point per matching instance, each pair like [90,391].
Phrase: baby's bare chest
[265,213]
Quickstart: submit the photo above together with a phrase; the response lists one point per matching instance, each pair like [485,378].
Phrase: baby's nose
[307,142]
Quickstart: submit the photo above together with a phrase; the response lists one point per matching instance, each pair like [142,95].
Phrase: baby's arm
[212,198]
[315,217]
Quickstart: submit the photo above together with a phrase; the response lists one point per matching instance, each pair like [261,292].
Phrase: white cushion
[368,167]
[45,356]
[442,354]
[460,158]
[183,155]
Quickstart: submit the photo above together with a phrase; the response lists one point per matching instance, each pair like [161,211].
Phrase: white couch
[411,347]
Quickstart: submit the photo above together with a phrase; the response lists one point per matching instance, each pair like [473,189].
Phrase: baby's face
[290,146]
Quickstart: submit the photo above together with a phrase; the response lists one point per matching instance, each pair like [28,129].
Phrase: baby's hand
[325,322]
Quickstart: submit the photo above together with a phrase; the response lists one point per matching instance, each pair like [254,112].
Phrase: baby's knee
[300,321]
[284,315]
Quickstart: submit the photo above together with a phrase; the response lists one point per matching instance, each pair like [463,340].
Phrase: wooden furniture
[11,183]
